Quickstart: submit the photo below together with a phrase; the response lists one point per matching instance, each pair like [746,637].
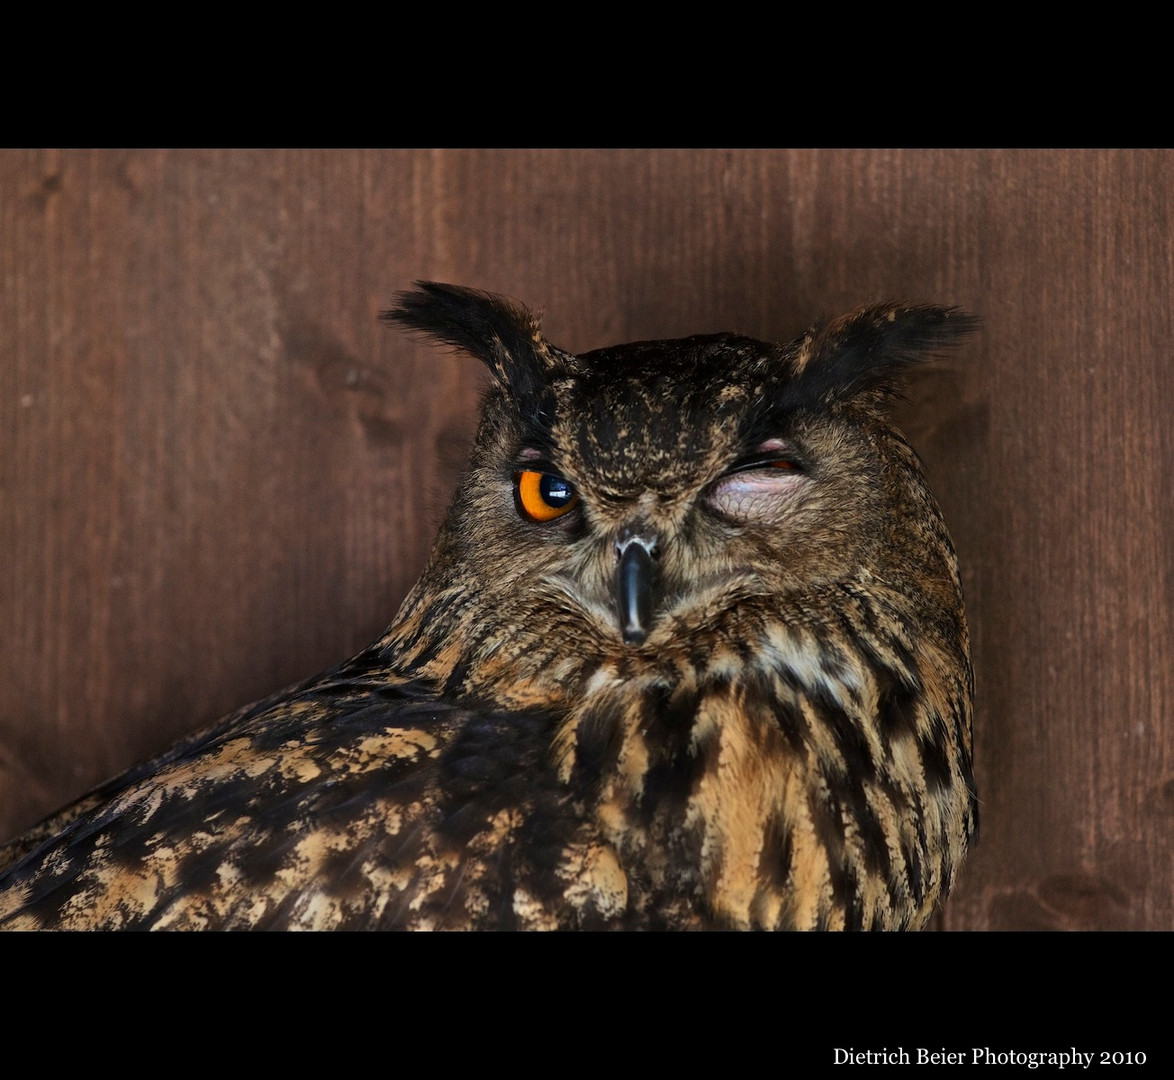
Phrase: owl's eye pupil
[543,496]
[555,490]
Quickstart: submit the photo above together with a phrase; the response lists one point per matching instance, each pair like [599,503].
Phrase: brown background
[219,473]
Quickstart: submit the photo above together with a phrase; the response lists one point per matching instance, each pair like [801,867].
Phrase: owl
[689,652]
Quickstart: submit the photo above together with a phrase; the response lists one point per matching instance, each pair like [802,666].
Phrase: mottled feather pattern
[722,681]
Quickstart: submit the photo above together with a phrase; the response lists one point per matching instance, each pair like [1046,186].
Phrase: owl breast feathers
[689,653]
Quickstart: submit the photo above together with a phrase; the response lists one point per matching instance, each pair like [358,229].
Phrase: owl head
[641,499]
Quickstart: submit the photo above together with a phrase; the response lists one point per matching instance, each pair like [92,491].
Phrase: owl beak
[635,583]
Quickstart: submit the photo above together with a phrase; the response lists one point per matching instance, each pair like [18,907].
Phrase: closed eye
[767,461]
[760,485]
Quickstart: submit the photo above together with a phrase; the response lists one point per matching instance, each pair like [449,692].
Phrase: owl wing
[352,802]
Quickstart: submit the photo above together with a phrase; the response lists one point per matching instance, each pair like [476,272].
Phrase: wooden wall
[219,473]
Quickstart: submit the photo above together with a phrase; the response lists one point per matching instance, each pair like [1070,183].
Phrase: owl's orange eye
[543,496]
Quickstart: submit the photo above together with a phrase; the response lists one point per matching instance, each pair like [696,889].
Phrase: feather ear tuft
[872,349]
[502,334]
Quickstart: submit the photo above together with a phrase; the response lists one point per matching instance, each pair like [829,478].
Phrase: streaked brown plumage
[689,652]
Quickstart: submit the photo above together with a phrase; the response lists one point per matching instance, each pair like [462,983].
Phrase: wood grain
[219,473]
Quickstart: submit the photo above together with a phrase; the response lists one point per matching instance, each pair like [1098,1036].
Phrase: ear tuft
[871,349]
[501,333]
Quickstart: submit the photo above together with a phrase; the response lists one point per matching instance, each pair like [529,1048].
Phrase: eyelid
[755,493]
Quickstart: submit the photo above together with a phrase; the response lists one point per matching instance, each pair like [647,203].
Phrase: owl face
[662,478]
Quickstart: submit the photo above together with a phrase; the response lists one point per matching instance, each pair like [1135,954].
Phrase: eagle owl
[689,653]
